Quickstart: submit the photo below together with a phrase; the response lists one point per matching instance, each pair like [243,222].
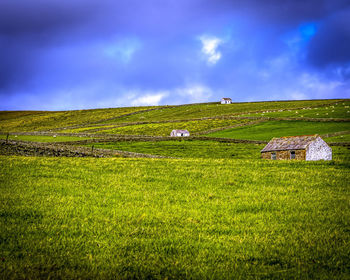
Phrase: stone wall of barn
[318,150]
[299,154]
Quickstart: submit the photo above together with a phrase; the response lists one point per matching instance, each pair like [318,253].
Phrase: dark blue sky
[64,54]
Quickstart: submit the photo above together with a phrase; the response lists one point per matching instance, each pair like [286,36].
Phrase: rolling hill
[107,194]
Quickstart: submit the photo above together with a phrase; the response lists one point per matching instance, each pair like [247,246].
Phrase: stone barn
[307,147]
[180,133]
[226,100]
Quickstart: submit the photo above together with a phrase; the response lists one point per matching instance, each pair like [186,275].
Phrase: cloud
[195,93]
[331,44]
[111,53]
[149,99]
[209,48]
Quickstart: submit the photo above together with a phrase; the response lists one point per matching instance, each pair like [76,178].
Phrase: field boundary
[24,148]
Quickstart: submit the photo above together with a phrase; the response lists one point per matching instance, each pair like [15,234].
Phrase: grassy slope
[164,129]
[340,138]
[43,138]
[201,149]
[269,129]
[209,110]
[160,128]
[198,219]
[221,213]
[188,149]
[338,110]
[37,121]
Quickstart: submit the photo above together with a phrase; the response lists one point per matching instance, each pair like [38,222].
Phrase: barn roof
[289,143]
[226,98]
[181,130]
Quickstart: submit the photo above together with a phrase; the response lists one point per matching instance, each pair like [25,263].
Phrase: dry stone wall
[59,150]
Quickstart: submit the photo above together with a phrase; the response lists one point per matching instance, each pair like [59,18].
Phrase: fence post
[7,137]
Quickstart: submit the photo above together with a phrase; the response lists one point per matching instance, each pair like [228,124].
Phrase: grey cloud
[331,44]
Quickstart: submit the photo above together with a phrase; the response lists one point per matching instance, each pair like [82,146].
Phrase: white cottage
[226,100]
[180,133]
[306,147]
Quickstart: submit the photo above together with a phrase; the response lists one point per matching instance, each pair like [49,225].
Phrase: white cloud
[194,93]
[149,99]
[209,48]
[314,83]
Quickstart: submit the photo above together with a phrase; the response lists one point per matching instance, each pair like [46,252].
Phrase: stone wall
[299,154]
[60,150]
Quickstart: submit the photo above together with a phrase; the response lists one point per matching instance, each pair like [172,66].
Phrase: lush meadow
[42,138]
[211,210]
[164,129]
[201,149]
[156,219]
[41,120]
[338,110]
[267,130]
[191,111]
[187,149]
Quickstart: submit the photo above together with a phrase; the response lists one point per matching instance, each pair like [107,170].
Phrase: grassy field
[39,138]
[164,129]
[201,149]
[212,210]
[338,110]
[269,129]
[34,120]
[156,219]
[161,129]
[188,149]
[339,138]
[210,110]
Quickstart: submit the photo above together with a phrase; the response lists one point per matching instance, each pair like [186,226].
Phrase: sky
[81,54]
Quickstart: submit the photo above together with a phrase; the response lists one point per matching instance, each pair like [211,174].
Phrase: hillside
[259,121]
[107,194]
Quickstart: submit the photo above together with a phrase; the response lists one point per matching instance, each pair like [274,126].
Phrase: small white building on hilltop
[226,100]
[180,133]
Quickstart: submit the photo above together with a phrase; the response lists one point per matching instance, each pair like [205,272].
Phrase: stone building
[307,147]
[226,100]
[180,133]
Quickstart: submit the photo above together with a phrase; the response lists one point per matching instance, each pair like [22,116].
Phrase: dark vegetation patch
[56,150]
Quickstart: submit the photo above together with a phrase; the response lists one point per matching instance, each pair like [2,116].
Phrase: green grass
[339,110]
[188,149]
[270,129]
[17,121]
[218,211]
[7,115]
[37,138]
[210,110]
[201,149]
[339,138]
[75,218]
[86,129]
[164,129]
[14,121]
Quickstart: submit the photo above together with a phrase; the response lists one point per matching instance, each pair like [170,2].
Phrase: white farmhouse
[180,133]
[226,100]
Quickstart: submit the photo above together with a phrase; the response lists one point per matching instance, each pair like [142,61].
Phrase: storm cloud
[85,54]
